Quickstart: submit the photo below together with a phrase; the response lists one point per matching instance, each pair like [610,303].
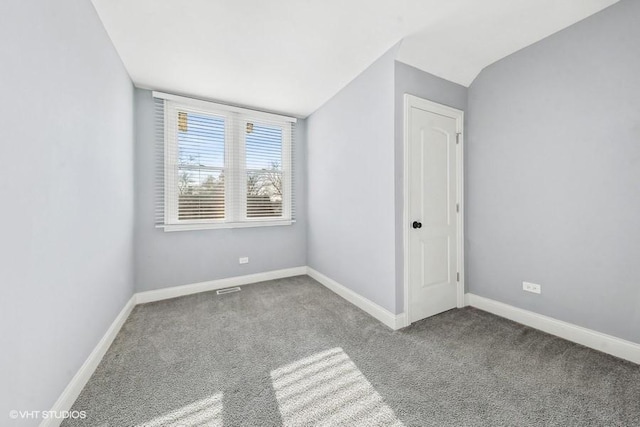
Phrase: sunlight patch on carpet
[327,388]
[206,411]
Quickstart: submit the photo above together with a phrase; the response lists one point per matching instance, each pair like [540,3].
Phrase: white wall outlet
[243,260]
[531,287]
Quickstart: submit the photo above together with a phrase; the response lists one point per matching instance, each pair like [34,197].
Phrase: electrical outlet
[243,260]
[531,287]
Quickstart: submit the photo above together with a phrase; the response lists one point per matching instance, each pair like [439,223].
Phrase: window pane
[264,170]
[264,193]
[263,146]
[200,193]
[200,166]
[200,140]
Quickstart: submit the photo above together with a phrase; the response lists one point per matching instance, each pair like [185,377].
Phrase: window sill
[213,226]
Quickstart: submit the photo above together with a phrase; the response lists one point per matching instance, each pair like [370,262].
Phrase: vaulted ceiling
[291,56]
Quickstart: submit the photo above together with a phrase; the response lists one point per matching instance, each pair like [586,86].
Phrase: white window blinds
[221,166]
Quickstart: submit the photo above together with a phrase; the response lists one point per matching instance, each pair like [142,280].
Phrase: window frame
[234,166]
[286,172]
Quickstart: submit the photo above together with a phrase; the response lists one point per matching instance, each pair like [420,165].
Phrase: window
[223,166]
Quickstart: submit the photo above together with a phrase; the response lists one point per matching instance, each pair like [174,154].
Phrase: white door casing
[433,221]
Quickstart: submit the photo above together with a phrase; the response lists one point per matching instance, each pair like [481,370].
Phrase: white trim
[234,166]
[589,338]
[80,379]
[212,285]
[411,101]
[287,173]
[220,225]
[460,183]
[77,383]
[394,321]
[405,208]
[209,104]
[401,321]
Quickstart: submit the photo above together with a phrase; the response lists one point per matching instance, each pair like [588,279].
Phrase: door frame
[433,107]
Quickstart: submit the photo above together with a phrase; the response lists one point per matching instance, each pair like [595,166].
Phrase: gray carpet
[290,352]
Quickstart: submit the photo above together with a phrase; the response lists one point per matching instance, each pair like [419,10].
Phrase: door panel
[435,256]
[433,196]
[435,180]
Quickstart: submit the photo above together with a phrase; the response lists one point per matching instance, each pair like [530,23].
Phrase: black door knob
[416,224]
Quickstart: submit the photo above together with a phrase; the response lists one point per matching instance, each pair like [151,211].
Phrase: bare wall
[351,185]
[553,157]
[184,257]
[66,185]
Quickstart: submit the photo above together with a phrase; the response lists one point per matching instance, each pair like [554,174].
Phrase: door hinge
[458,137]
[457,277]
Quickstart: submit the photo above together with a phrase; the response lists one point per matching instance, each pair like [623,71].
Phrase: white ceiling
[485,31]
[291,56]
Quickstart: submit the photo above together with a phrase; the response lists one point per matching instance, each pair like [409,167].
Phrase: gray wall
[184,257]
[66,185]
[410,80]
[351,185]
[553,175]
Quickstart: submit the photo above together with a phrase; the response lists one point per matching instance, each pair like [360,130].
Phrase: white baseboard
[598,341]
[73,389]
[606,343]
[77,383]
[212,285]
[80,379]
[401,321]
[383,315]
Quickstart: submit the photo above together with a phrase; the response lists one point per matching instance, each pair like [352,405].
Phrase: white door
[432,208]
